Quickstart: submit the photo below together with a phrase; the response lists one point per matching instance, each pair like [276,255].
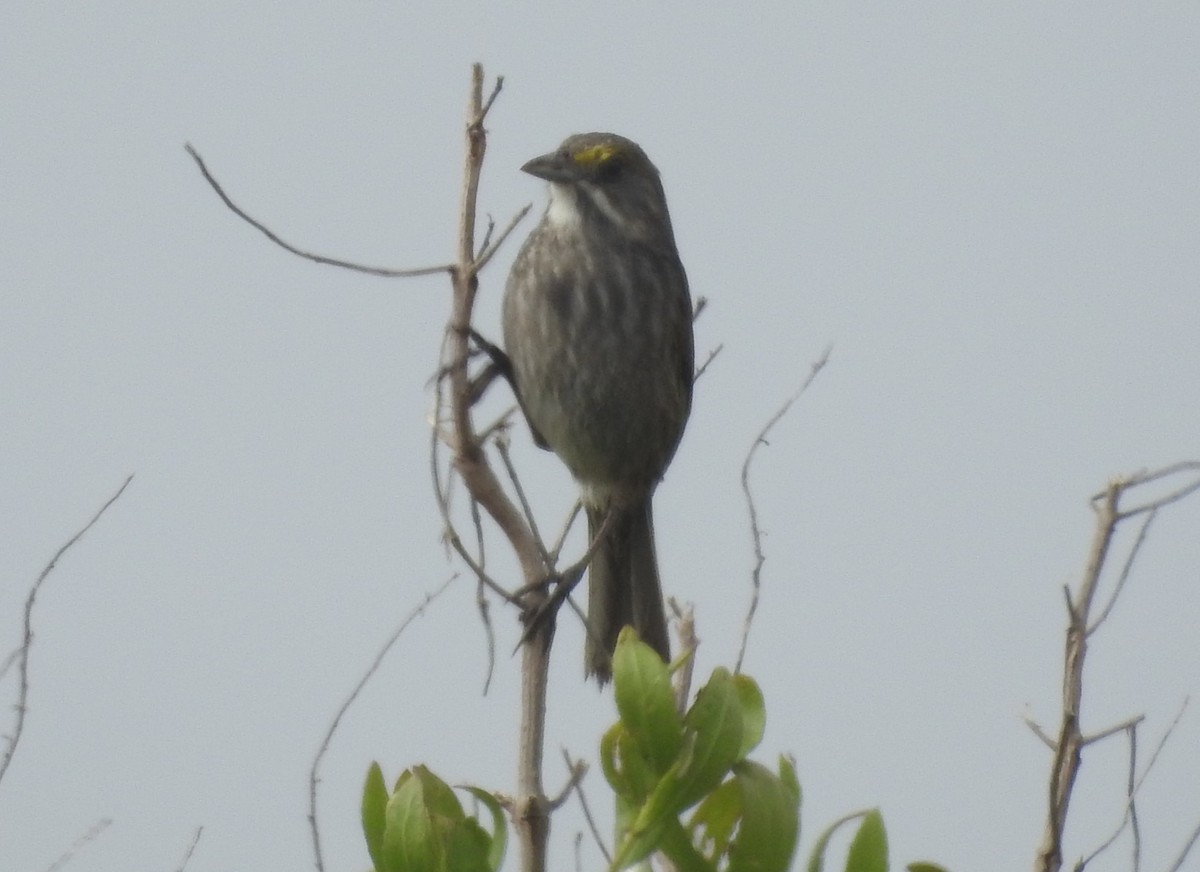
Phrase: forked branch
[1067,746]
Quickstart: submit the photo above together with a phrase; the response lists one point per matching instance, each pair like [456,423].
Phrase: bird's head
[603,181]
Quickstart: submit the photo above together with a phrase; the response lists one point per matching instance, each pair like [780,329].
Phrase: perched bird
[598,330]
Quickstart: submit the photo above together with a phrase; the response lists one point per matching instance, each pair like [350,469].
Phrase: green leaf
[408,842]
[639,772]
[787,774]
[868,851]
[770,823]
[438,796]
[374,815]
[816,860]
[711,743]
[608,760]
[645,700]
[466,846]
[498,840]
[713,822]
[640,840]
[754,713]
[925,866]
[676,844]
[715,719]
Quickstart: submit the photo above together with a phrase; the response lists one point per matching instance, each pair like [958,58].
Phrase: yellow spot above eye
[594,155]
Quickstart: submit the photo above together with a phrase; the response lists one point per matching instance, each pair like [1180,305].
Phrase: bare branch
[1038,731]
[752,510]
[506,459]
[489,251]
[1179,493]
[1130,812]
[501,423]
[1162,743]
[712,355]
[487,106]
[1125,570]
[1187,849]
[587,811]
[1068,746]
[485,617]
[442,497]
[577,770]
[529,808]
[562,536]
[1069,743]
[1131,788]
[187,856]
[1123,727]
[384,272]
[685,615]
[9,660]
[314,773]
[27,638]
[80,843]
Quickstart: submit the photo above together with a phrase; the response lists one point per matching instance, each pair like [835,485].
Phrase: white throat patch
[563,212]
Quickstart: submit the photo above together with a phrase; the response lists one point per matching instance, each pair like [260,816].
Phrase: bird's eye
[610,167]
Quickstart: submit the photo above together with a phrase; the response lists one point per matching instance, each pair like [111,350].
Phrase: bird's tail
[623,586]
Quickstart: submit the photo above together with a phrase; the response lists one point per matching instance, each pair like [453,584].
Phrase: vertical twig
[531,814]
[752,510]
[1070,741]
[22,654]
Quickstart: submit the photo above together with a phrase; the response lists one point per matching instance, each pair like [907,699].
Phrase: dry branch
[1068,744]
[22,653]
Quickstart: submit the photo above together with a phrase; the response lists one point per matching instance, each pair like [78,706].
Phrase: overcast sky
[990,211]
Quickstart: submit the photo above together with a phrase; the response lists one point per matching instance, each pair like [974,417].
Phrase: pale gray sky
[991,211]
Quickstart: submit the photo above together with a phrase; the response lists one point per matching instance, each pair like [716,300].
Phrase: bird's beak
[553,167]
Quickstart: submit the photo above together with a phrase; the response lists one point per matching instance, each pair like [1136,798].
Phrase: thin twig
[487,106]
[587,810]
[506,459]
[576,775]
[712,355]
[487,236]
[1187,849]
[1068,746]
[752,509]
[556,551]
[529,810]
[1122,727]
[442,492]
[489,632]
[83,841]
[1130,812]
[481,603]
[314,773]
[1038,731]
[1125,570]
[688,644]
[568,579]
[9,660]
[27,637]
[477,523]
[1162,743]
[187,856]
[1179,493]
[1064,768]
[501,424]
[383,272]
[489,251]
